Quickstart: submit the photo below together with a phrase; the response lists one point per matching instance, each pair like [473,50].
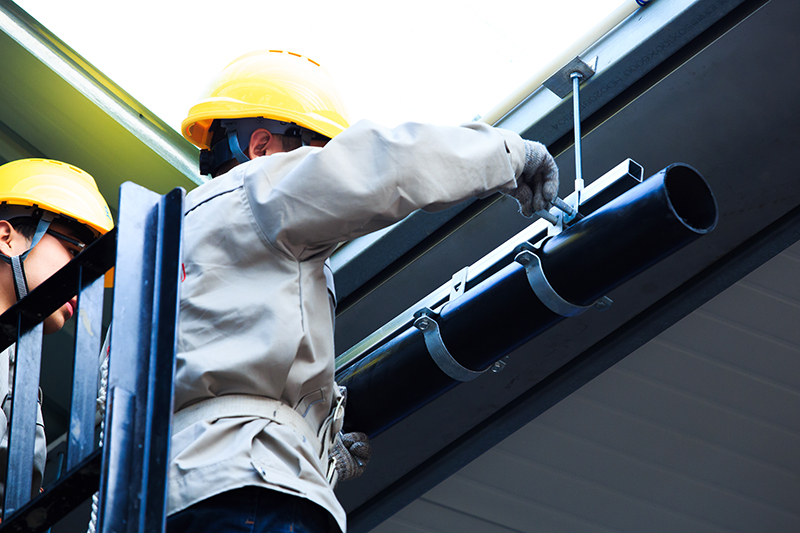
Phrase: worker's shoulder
[217,187]
[273,168]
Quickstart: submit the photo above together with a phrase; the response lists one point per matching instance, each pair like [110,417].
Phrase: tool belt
[238,405]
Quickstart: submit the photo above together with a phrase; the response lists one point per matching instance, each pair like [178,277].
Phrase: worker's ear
[263,142]
[260,143]
[7,237]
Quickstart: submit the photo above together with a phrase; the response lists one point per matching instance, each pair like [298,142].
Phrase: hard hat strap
[236,150]
[20,281]
[17,268]
[41,228]
[237,134]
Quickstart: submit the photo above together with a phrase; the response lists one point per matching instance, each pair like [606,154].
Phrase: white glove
[352,452]
[537,186]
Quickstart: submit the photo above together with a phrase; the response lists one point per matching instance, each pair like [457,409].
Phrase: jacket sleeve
[370,177]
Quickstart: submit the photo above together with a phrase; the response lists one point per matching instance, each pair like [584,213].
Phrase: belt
[238,405]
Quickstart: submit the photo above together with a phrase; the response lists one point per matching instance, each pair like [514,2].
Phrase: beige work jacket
[40,447]
[255,313]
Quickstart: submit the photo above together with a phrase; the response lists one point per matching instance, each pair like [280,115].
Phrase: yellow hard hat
[273,84]
[56,187]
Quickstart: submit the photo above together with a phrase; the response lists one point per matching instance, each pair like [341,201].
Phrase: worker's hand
[352,452]
[537,186]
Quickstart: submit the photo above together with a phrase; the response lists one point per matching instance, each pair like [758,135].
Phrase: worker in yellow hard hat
[256,437]
[283,93]
[49,212]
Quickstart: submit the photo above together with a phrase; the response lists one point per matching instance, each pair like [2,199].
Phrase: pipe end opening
[691,198]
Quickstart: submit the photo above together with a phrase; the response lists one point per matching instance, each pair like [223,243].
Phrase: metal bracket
[459,283]
[425,322]
[545,292]
[560,83]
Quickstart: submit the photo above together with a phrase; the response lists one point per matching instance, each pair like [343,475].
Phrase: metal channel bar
[162,365]
[141,368]
[59,499]
[618,180]
[628,235]
[129,359]
[21,433]
[83,404]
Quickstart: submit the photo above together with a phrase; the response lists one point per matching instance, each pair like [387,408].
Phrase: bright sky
[440,61]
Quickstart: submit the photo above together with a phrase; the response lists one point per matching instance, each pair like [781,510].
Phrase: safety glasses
[75,247]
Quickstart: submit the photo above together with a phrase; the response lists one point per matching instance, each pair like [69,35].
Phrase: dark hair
[289,142]
[26,226]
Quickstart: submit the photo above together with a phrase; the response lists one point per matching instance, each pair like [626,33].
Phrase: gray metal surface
[101,91]
[562,83]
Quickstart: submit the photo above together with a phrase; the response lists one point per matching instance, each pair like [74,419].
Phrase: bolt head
[498,366]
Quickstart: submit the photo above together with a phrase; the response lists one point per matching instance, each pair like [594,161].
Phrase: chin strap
[233,142]
[16,262]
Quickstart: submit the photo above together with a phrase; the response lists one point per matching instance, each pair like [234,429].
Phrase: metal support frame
[142,365]
[670,210]
[610,185]
[568,79]
[21,324]
[131,468]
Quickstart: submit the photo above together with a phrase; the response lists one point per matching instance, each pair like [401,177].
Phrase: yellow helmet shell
[56,187]
[272,84]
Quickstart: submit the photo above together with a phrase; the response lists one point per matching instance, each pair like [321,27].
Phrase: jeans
[252,510]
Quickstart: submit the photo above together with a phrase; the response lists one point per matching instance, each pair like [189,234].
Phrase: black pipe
[629,234]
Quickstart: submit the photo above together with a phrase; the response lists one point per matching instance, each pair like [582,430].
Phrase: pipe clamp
[546,293]
[425,322]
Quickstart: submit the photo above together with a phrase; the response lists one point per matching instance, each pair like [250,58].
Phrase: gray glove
[537,186]
[352,452]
